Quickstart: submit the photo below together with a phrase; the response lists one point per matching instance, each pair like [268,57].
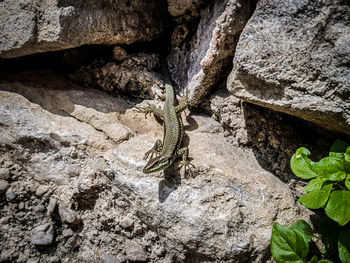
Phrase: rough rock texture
[199,64]
[56,147]
[133,74]
[294,57]
[28,27]
[181,7]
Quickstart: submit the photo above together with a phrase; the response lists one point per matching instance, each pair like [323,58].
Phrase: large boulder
[294,56]
[199,64]
[85,149]
[29,27]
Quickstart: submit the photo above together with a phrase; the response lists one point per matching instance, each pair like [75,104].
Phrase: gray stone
[201,66]
[28,27]
[109,259]
[51,207]
[11,195]
[68,216]
[4,173]
[53,259]
[126,222]
[223,209]
[135,75]
[43,235]
[4,185]
[293,56]
[134,251]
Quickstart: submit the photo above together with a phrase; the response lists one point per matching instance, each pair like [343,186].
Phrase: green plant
[328,190]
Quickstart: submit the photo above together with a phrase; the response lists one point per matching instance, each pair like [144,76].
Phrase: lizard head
[157,164]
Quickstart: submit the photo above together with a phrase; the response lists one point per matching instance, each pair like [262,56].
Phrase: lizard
[170,149]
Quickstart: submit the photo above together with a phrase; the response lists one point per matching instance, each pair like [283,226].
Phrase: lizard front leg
[151,109]
[156,149]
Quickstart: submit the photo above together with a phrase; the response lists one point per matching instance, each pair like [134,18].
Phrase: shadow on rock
[172,180]
[54,93]
[275,136]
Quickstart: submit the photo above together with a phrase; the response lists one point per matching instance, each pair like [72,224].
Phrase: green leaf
[338,207]
[344,246]
[329,231]
[287,245]
[304,229]
[315,184]
[338,148]
[301,164]
[331,168]
[316,198]
[347,160]
[314,259]
[325,261]
[347,181]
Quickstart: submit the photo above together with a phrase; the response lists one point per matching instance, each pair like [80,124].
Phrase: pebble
[109,259]
[53,259]
[4,185]
[134,251]
[4,173]
[41,190]
[10,195]
[126,222]
[68,216]
[51,207]
[43,235]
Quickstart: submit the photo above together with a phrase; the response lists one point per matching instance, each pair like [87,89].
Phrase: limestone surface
[199,64]
[293,56]
[29,27]
[67,169]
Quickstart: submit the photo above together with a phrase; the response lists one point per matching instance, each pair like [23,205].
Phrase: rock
[127,222]
[222,210]
[119,53]
[43,235]
[11,195]
[53,259]
[109,259]
[4,185]
[228,111]
[181,7]
[201,66]
[134,75]
[28,27]
[4,173]
[41,190]
[68,216]
[134,251]
[293,57]
[51,207]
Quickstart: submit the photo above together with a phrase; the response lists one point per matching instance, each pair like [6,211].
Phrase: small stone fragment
[41,190]
[4,185]
[126,222]
[53,259]
[119,53]
[21,206]
[134,251]
[43,235]
[10,195]
[4,173]
[110,259]
[68,216]
[51,207]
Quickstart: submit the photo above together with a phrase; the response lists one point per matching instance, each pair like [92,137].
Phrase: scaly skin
[170,149]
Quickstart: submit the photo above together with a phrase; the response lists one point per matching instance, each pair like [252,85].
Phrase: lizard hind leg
[183,152]
[156,149]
